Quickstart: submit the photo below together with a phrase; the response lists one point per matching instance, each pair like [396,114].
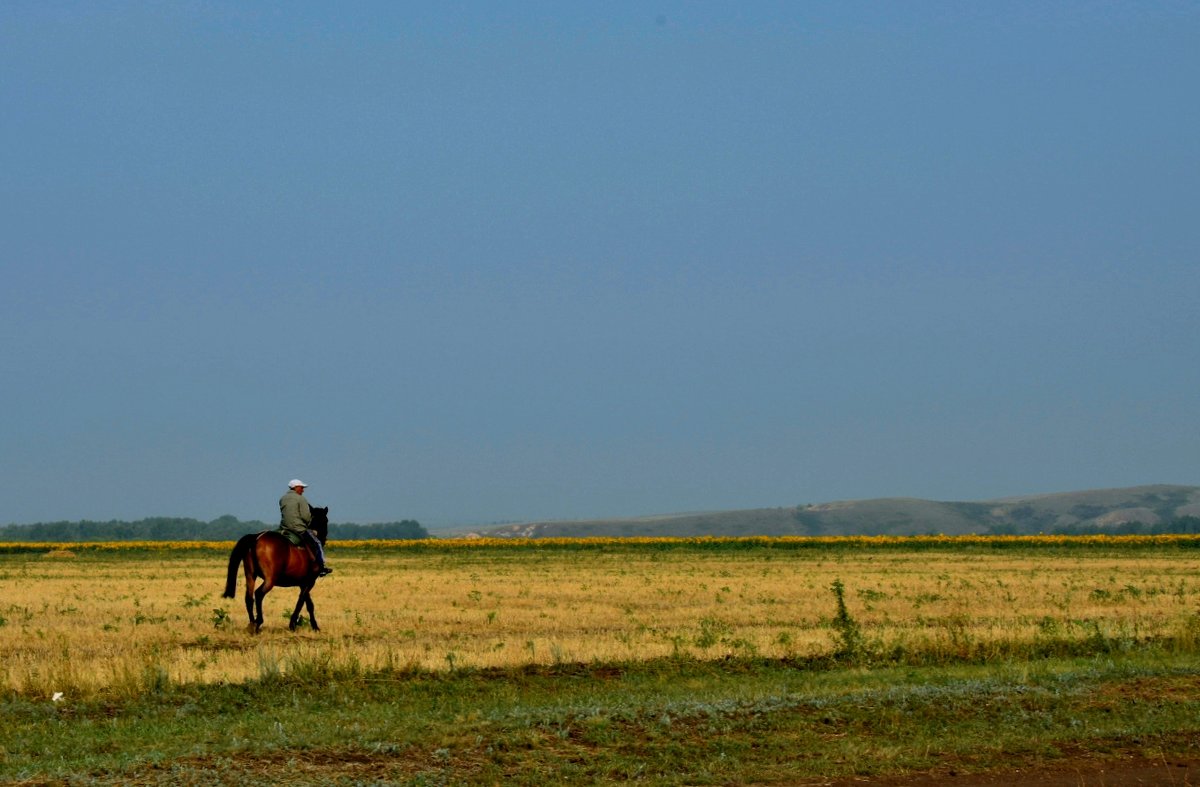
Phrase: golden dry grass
[110,620]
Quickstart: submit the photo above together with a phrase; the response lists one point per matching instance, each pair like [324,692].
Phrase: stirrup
[324,571]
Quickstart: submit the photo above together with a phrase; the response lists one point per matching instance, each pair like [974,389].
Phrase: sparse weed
[851,643]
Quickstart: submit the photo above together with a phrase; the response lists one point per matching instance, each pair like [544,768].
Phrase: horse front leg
[312,616]
[295,621]
[302,601]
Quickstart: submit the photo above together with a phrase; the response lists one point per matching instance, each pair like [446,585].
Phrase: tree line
[1181,525]
[223,528]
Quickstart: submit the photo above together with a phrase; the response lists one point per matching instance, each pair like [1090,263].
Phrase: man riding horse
[295,516]
[279,560]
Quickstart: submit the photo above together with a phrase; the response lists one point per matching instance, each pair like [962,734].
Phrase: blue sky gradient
[472,262]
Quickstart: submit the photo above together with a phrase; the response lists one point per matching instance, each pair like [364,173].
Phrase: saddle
[290,535]
[298,541]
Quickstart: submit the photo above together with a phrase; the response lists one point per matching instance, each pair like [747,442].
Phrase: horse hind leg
[250,595]
[263,589]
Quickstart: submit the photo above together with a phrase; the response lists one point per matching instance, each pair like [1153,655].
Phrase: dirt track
[1082,772]
[1124,772]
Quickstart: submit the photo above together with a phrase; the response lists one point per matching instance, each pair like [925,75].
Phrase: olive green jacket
[295,514]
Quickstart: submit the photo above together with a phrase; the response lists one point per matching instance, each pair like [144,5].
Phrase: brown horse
[271,557]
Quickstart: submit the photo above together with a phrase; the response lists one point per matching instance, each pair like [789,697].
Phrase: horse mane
[320,523]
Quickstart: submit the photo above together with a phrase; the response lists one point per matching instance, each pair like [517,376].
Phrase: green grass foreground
[675,721]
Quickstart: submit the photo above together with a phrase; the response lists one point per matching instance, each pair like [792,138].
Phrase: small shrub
[220,618]
[712,631]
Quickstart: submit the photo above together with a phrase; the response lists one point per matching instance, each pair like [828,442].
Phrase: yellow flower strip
[916,542]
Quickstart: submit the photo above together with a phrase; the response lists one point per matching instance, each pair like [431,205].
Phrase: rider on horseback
[295,515]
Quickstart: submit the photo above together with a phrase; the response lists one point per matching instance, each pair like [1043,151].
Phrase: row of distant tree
[1182,525]
[225,528]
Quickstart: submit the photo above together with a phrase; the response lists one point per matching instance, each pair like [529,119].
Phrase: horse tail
[244,545]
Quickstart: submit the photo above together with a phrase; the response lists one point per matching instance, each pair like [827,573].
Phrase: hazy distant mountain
[1102,510]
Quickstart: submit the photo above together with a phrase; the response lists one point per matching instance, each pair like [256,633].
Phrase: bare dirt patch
[353,767]
[1125,772]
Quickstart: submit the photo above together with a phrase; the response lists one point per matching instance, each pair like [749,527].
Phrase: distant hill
[1133,509]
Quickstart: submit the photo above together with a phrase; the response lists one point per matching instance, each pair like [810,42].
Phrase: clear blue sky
[469,262]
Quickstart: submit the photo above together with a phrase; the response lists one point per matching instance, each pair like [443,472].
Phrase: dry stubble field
[86,621]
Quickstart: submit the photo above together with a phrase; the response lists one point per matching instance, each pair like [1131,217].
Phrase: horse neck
[320,524]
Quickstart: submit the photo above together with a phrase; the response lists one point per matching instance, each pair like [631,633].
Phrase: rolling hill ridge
[1097,510]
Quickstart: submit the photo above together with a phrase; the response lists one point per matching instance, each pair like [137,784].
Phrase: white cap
[295,482]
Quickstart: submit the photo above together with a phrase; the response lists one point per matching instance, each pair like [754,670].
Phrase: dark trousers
[316,542]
